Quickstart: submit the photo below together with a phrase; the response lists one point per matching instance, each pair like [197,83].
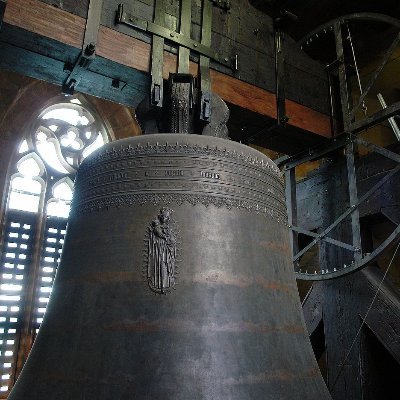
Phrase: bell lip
[192,139]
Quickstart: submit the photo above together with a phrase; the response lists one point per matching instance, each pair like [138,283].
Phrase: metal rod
[315,153]
[343,363]
[326,239]
[373,79]
[364,107]
[391,120]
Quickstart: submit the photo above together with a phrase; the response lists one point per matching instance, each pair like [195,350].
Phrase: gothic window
[39,197]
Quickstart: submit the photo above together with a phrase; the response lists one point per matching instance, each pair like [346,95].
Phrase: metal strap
[280,78]
[88,47]
[172,36]
[92,27]
[157,58]
[204,63]
[344,95]
[185,24]
[323,238]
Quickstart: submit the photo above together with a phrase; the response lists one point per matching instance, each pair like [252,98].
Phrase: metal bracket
[129,19]
[88,52]
[75,73]
[157,57]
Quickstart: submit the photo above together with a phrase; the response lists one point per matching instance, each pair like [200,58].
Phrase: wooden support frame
[360,260]
[383,318]
[45,20]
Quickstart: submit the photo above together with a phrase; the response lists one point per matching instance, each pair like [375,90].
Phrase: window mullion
[15,263]
[28,331]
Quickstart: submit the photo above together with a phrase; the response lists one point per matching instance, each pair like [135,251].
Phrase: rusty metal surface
[223,321]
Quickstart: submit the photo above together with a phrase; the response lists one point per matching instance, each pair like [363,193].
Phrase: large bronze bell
[175,281]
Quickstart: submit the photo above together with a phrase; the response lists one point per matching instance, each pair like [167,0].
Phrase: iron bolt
[90,48]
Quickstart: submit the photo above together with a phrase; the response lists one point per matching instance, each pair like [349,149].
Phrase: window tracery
[39,199]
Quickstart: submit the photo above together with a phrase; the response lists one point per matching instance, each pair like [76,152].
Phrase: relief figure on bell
[161,252]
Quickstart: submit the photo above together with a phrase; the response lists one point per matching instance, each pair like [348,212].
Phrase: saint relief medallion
[161,252]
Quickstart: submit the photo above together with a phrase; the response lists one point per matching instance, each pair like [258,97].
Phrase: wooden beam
[51,22]
[312,307]
[384,316]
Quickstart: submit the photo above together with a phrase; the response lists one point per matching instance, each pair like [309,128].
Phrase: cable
[365,318]
[364,107]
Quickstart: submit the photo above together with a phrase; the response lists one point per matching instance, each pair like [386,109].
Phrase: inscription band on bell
[177,174]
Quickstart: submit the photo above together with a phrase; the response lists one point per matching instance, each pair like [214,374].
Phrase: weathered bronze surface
[175,281]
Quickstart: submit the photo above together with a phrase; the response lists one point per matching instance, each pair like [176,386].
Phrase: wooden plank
[234,32]
[35,16]
[51,22]
[341,325]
